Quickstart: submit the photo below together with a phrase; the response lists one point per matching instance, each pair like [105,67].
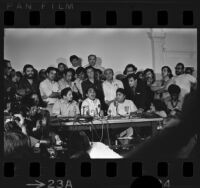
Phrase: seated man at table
[121,106]
[91,105]
[66,106]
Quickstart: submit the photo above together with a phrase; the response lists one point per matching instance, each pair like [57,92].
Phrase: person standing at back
[110,86]
[185,81]
[49,88]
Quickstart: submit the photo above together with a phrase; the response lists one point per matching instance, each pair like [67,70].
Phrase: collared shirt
[63,84]
[184,81]
[92,105]
[47,88]
[64,108]
[124,108]
[111,88]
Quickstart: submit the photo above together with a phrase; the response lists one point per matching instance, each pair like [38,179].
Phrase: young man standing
[49,88]
[110,86]
[185,81]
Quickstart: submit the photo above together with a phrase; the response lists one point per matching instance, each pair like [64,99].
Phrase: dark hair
[109,70]
[19,74]
[159,105]
[121,90]
[42,71]
[91,87]
[174,89]
[89,67]
[70,70]
[62,64]
[73,57]
[80,70]
[78,145]
[138,73]
[65,91]
[98,70]
[13,73]
[132,76]
[28,101]
[27,66]
[92,55]
[12,126]
[180,64]
[129,66]
[49,69]
[16,145]
[168,70]
[5,62]
[189,69]
[152,72]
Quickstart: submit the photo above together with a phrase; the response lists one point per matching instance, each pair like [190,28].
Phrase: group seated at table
[89,91]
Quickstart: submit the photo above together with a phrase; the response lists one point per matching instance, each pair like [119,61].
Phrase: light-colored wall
[116,47]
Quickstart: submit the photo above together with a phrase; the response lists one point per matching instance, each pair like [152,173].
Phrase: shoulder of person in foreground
[175,136]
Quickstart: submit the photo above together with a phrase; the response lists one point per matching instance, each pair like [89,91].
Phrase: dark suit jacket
[24,84]
[142,97]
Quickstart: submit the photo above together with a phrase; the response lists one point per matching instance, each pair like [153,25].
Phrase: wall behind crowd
[145,48]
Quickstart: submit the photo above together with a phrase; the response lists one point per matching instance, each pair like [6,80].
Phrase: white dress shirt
[184,81]
[110,89]
[120,108]
[92,105]
[47,87]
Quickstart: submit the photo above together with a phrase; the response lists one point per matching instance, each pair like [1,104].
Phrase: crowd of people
[32,96]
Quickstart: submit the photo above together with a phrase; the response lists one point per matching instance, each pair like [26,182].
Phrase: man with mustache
[28,83]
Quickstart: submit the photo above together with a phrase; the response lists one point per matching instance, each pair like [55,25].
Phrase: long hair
[168,70]
[16,145]
[152,72]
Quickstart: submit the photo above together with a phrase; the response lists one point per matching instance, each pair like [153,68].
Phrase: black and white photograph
[109,93]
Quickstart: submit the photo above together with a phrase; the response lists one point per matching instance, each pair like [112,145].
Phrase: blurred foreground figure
[180,138]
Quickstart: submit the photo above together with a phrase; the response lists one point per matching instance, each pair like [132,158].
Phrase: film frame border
[148,15]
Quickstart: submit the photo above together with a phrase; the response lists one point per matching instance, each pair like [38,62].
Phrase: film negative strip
[133,63]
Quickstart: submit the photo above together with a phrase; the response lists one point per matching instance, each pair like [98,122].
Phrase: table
[108,124]
[111,123]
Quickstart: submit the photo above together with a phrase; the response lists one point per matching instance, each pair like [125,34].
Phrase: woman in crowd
[61,70]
